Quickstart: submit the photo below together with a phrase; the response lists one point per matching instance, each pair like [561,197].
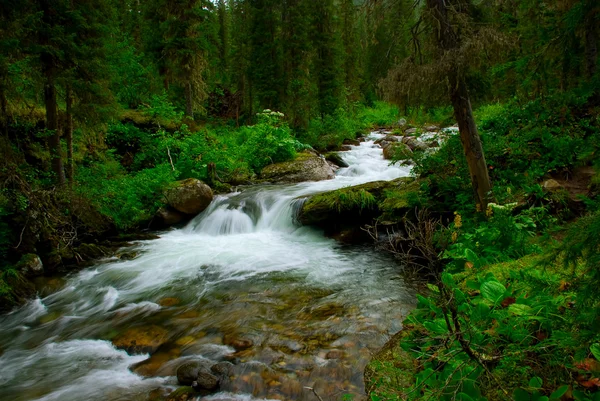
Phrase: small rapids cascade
[242,282]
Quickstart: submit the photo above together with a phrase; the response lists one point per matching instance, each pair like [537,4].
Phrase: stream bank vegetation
[105,104]
[511,310]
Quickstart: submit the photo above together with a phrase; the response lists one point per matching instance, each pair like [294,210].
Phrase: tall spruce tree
[266,63]
[185,32]
[297,61]
[329,57]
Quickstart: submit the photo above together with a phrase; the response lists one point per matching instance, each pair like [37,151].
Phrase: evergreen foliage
[103,104]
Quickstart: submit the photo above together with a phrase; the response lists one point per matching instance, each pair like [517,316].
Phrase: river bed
[241,282]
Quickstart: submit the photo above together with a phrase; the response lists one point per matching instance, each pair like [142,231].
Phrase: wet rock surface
[308,166]
[189,196]
[141,340]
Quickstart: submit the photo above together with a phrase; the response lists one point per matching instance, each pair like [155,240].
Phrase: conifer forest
[312,200]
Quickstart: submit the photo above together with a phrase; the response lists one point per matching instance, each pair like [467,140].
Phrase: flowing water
[306,310]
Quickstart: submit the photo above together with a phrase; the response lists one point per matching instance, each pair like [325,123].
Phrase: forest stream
[242,282]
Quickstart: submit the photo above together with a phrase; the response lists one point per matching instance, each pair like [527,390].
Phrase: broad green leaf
[493,291]
[536,382]
[595,348]
[559,392]
[521,395]
[460,296]
[436,327]
[580,396]
[463,397]
[448,280]
[473,285]
[519,309]
[471,256]
[433,288]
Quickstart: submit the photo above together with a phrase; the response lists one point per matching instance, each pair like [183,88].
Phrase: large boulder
[396,149]
[336,159]
[187,373]
[308,166]
[414,144]
[189,196]
[30,265]
[355,204]
[167,217]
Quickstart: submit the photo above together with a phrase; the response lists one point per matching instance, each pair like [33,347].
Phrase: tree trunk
[69,135]
[189,103]
[471,142]
[48,63]
[52,122]
[4,108]
[591,47]
[448,40]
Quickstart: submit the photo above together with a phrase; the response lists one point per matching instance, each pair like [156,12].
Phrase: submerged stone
[182,394]
[141,340]
[187,373]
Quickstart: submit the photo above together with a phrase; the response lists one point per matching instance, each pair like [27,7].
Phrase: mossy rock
[358,202]
[30,265]
[185,393]
[189,196]
[397,201]
[396,150]
[308,166]
[335,158]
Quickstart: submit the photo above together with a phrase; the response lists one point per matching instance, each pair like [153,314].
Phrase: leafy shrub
[126,199]
[269,141]
[380,115]
[502,236]
[488,340]
[330,131]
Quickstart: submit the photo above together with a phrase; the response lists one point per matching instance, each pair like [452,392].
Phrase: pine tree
[352,51]
[448,40]
[266,64]
[185,32]
[297,58]
[329,57]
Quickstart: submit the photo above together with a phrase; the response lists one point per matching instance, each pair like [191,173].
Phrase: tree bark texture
[471,142]
[48,63]
[69,135]
[52,122]
[591,46]
[459,95]
[4,108]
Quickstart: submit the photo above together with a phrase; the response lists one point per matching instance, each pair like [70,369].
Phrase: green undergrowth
[513,311]
[351,199]
[524,143]
[523,329]
[329,132]
[123,166]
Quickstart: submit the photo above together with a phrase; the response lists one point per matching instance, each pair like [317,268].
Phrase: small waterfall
[245,266]
[275,207]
